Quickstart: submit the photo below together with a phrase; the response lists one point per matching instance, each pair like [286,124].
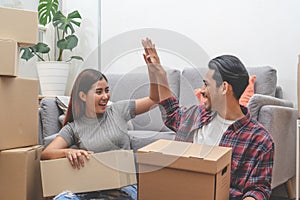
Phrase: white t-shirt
[211,133]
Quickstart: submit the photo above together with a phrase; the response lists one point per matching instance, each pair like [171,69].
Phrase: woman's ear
[82,96]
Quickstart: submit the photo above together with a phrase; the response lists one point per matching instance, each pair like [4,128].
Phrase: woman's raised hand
[77,157]
[157,74]
[150,55]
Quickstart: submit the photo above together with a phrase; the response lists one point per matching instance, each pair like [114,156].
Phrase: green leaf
[27,54]
[65,23]
[76,58]
[41,48]
[69,42]
[46,10]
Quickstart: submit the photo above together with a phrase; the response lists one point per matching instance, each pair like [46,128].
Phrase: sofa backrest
[192,78]
[134,85]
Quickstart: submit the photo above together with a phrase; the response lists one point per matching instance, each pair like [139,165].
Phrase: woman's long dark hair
[83,82]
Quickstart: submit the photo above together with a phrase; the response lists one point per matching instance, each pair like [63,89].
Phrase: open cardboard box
[179,170]
[107,170]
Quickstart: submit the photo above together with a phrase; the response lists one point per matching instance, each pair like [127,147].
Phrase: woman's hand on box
[77,157]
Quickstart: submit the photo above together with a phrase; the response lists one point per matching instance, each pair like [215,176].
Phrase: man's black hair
[230,69]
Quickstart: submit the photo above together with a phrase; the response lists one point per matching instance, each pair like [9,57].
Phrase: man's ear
[225,87]
[82,96]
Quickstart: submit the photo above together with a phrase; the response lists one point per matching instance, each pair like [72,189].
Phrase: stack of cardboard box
[19,149]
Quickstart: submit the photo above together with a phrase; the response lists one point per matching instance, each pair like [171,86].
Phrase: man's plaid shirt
[252,146]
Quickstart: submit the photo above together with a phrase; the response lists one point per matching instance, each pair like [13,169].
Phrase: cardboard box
[19,25]
[179,170]
[19,112]
[9,54]
[107,170]
[20,174]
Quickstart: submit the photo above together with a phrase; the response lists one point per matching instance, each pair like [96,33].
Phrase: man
[221,120]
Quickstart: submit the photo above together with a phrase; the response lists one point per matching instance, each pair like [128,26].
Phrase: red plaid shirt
[252,146]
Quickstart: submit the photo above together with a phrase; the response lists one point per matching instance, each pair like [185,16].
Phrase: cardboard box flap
[23,149]
[186,156]
[107,170]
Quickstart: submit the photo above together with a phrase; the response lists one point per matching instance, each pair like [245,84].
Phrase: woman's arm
[156,70]
[58,148]
[159,87]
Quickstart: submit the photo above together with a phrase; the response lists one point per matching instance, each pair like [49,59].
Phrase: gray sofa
[267,106]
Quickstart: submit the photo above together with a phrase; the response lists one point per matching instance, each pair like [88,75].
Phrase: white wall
[260,32]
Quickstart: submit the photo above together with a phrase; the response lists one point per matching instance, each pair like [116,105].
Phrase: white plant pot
[53,77]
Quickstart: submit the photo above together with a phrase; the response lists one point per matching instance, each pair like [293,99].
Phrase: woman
[93,126]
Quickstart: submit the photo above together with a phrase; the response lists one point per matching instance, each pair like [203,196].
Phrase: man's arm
[258,185]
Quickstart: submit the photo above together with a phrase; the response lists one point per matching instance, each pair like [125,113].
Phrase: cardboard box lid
[107,170]
[22,150]
[185,156]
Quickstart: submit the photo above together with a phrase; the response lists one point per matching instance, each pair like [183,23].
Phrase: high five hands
[150,55]
[157,73]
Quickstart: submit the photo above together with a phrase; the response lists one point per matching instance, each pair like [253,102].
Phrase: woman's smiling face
[97,98]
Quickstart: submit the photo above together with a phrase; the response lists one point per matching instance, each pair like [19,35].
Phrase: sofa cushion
[134,85]
[266,80]
[49,116]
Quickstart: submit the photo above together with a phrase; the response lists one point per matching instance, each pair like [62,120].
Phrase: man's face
[213,98]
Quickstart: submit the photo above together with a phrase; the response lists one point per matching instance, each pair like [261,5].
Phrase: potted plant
[49,13]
